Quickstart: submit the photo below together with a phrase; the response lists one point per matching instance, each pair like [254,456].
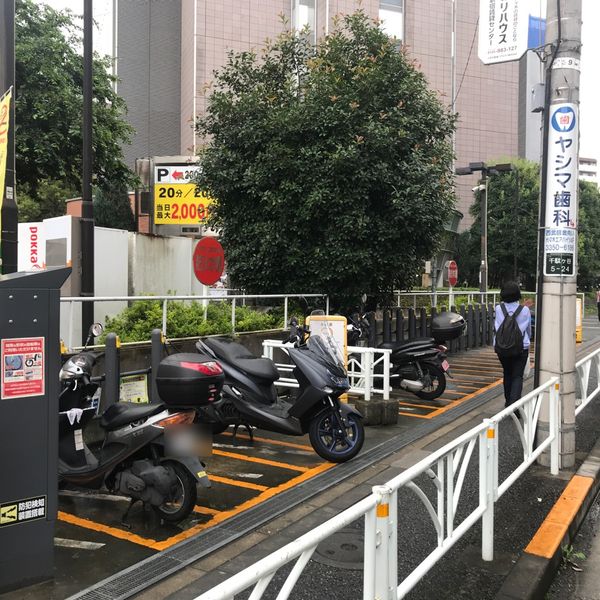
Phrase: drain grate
[150,571]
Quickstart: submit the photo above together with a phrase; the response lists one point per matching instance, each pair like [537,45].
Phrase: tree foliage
[513,226]
[112,208]
[331,164]
[48,108]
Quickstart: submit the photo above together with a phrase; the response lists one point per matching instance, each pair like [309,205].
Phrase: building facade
[167,51]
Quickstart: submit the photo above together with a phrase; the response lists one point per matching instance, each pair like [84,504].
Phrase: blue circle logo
[563,119]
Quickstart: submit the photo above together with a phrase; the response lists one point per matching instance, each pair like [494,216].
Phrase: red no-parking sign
[452,272]
[208,261]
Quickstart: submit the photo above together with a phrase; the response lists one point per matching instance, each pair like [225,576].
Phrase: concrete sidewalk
[460,574]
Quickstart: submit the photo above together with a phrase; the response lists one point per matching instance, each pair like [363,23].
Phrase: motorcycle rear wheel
[184,496]
[333,445]
[435,382]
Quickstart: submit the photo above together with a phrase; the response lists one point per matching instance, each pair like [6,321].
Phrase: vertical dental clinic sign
[560,240]
[503,30]
[4,124]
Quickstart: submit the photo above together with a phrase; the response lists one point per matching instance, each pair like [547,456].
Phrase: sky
[590,56]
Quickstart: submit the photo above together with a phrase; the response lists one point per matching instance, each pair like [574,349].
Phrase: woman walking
[513,335]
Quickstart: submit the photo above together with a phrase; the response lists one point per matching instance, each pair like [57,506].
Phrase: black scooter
[420,365]
[145,454]
[335,429]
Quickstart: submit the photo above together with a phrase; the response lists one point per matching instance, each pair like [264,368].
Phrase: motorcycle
[146,453]
[419,366]
[335,429]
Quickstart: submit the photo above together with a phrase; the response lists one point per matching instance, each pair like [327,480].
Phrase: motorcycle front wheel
[183,496]
[435,382]
[335,444]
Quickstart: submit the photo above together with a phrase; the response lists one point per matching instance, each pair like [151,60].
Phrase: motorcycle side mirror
[96,329]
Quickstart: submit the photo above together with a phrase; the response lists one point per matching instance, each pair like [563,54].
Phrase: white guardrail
[363,366]
[585,367]
[233,298]
[446,469]
[435,297]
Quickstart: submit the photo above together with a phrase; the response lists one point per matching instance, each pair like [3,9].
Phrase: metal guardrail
[584,370]
[71,300]
[361,371]
[437,296]
[447,469]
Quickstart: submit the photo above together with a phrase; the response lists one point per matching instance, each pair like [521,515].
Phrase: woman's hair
[510,292]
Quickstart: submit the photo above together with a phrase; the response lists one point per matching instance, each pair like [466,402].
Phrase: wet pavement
[93,544]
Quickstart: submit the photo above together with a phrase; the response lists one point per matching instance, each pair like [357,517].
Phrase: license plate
[445,365]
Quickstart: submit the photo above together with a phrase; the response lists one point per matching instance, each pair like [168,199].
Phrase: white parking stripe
[81,545]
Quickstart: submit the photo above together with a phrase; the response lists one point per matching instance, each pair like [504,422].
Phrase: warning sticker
[21,511]
[22,364]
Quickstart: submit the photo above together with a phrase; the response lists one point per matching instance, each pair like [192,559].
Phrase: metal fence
[366,367]
[234,299]
[585,368]
[448,469]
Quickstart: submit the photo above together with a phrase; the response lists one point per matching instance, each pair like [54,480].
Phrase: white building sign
[503,30]
[560,246]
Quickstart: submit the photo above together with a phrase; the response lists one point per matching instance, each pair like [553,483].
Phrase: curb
[535,570]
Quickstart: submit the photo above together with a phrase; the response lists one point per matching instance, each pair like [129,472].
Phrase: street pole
[483,269]
[87,207]
[9,216]
[557,269]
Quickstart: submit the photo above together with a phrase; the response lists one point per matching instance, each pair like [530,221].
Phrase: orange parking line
[465,398]
[238,483]
[224,515]
[407,414]
[118,533]
[430,407]
[262,461]
[270,441]
[205,510]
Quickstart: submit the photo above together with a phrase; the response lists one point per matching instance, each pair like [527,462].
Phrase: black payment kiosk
[29,365]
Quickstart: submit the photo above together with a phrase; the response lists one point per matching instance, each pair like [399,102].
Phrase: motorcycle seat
[416,344]
[241,357]
[122,413]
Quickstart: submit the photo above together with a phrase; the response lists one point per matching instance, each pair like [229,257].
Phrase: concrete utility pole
[557,263]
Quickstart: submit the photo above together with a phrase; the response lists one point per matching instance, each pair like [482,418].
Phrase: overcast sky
[590,57]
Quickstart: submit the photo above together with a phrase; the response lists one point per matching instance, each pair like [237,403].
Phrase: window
[391,13]
[304,15]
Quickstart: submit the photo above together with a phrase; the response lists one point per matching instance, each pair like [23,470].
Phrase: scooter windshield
[327,350]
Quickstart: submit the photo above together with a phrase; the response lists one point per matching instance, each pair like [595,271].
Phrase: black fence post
[372,330]
[412,324]
[462,344]
[423,322]
[492,318]
[399,325]
[156,338]
[477,328]
[433,315]
[484,325]
[470,327]
[387,327]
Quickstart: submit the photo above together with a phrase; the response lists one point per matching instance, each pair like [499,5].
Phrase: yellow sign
[4,123]
[579,322]
[179,204]
[8,514]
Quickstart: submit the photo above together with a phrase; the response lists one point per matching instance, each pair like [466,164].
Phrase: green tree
[112,208]
[331,164]
[48,202]
[48,108]
[513,225]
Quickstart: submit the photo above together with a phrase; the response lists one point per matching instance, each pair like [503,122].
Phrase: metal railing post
[71,324]
[386,375]
[285,313]
[487,487]
[367,365]
[386,556]
[164,318]
[233,315]
[326,305]
[554,400]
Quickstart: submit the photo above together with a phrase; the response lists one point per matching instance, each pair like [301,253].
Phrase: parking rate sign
[176,200]
[560,239]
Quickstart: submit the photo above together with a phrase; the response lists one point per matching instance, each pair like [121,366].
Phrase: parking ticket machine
[29,365]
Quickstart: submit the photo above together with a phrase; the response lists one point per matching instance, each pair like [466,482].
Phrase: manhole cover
[344,549]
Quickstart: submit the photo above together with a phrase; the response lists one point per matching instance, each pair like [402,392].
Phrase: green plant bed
[186,319]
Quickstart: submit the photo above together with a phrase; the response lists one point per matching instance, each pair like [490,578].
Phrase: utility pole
[87,207]
[8,205]
[557,263]
[483,269]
